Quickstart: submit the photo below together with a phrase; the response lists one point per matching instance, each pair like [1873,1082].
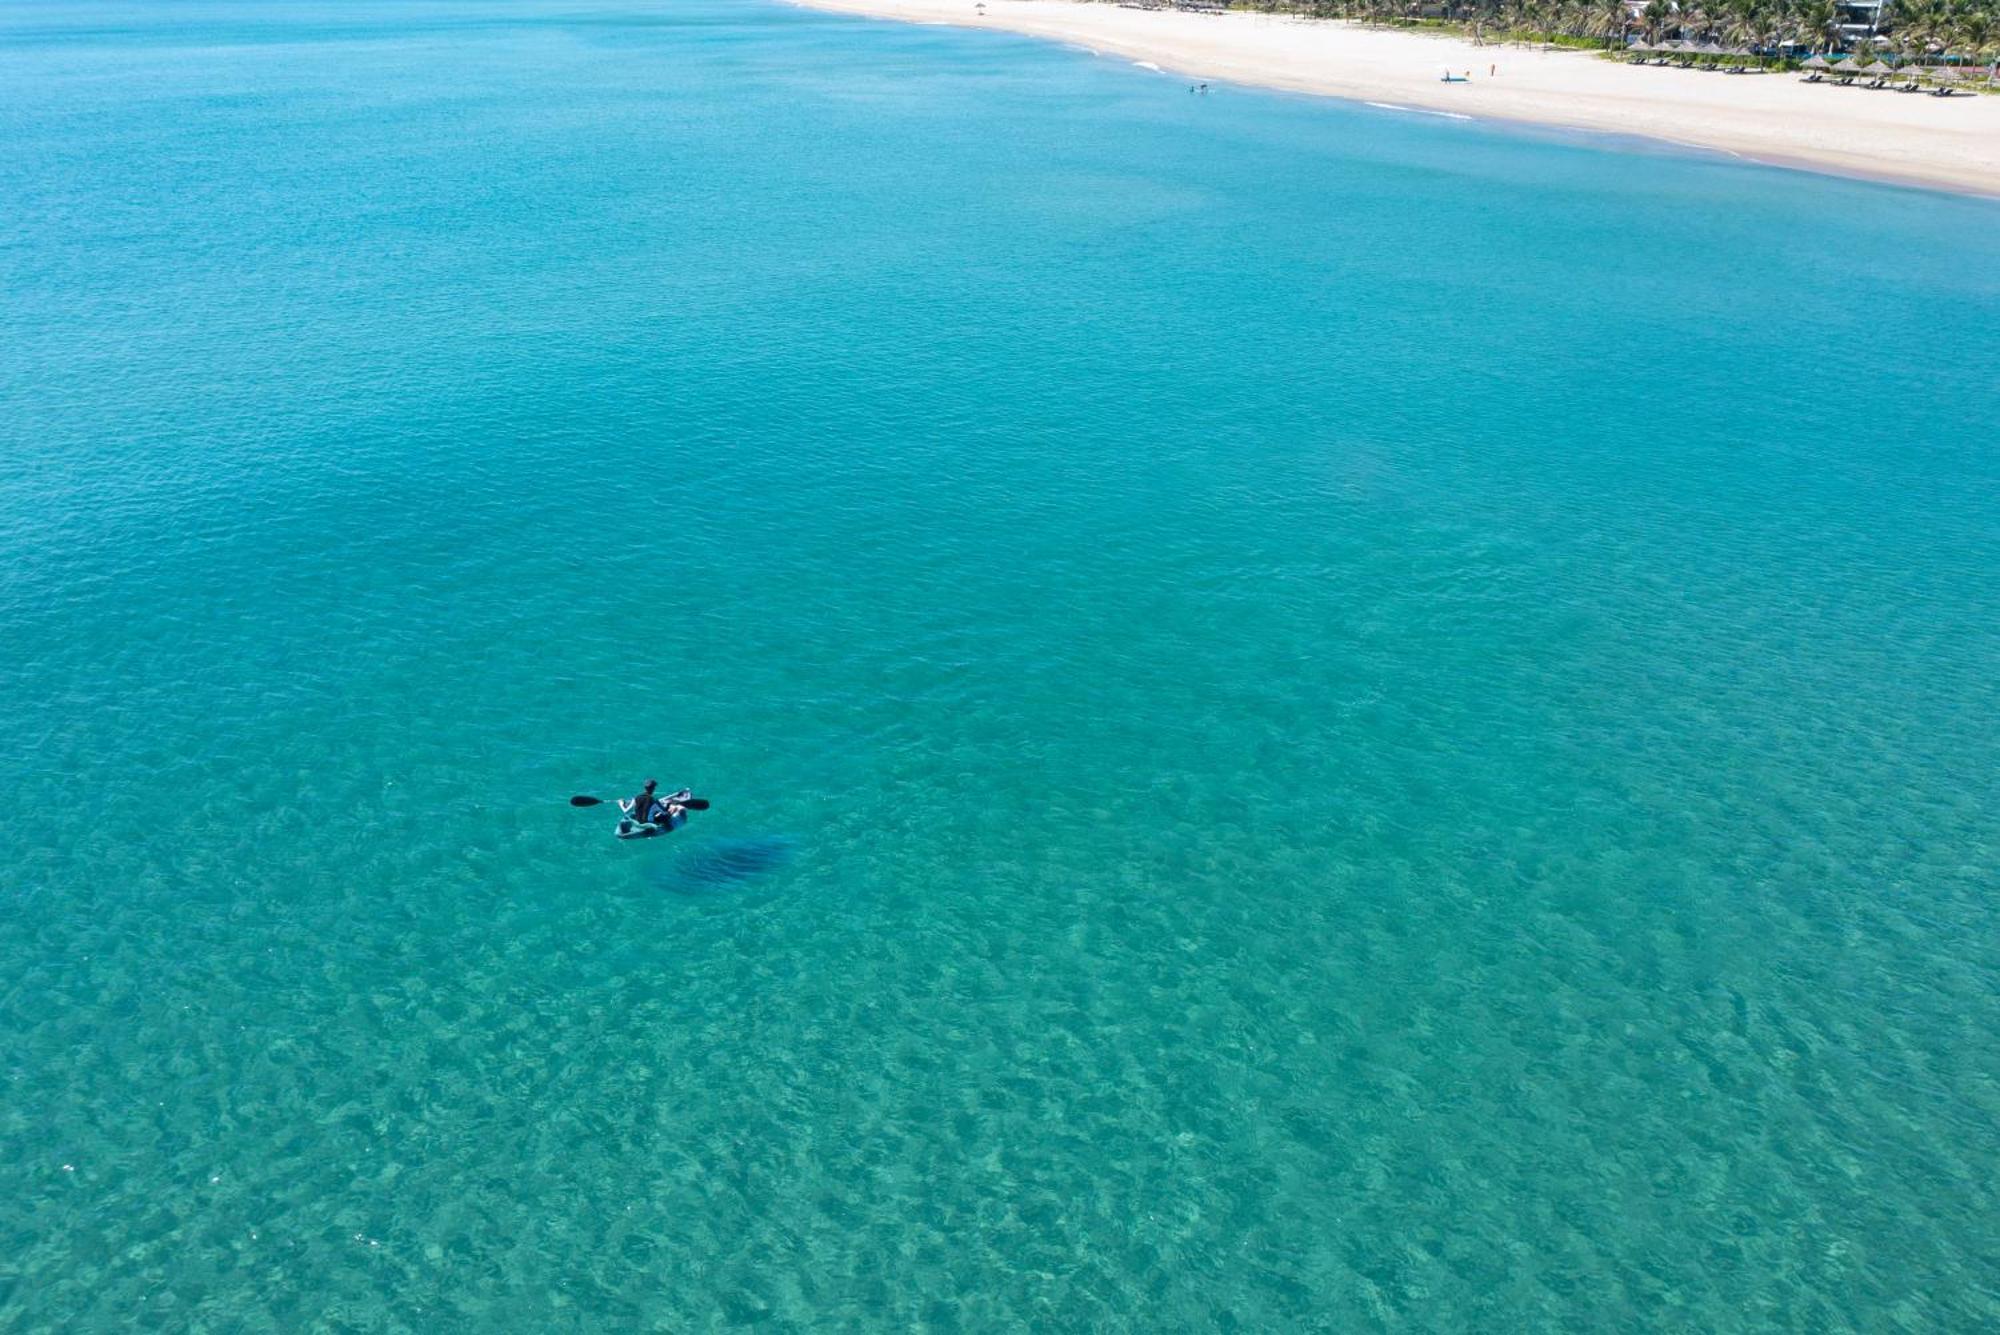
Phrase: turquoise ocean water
[1317,718]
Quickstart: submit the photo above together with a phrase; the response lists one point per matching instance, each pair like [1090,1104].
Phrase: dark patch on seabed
[723,865]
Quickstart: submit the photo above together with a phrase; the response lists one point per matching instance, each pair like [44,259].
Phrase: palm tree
[1741,23]
[1693,19]
[1975,32]
[1611,21]
[1778,24]
[1915,20]
[1820,20]
[1813,21]
[1971,30]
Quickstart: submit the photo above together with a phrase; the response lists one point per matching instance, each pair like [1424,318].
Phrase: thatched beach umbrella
[1849,66]
[1879,67]
[1711,49]
[1945,73]
[1816,63]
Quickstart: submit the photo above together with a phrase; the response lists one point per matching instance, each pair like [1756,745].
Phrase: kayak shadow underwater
[723,865]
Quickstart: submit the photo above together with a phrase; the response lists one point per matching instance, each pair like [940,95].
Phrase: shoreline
[1950,144]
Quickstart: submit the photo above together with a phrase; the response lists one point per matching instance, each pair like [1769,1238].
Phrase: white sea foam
[1148,65]
[1421,111]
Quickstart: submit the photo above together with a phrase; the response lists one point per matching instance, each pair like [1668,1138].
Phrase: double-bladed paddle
[691,803]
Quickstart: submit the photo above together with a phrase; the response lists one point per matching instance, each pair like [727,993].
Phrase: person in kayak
[645,804]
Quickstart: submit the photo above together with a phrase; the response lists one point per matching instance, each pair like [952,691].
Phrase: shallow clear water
[1316,718]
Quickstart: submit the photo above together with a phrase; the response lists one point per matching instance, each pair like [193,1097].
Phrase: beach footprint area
[1315,718]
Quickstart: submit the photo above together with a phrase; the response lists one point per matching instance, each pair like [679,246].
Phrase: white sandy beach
[1953,143]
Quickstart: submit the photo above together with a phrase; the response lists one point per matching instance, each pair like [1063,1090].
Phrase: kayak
[627,828]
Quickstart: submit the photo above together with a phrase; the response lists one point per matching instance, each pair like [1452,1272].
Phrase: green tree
[1966,31]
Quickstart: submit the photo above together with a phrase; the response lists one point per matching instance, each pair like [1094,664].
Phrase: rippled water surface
[1316,718]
